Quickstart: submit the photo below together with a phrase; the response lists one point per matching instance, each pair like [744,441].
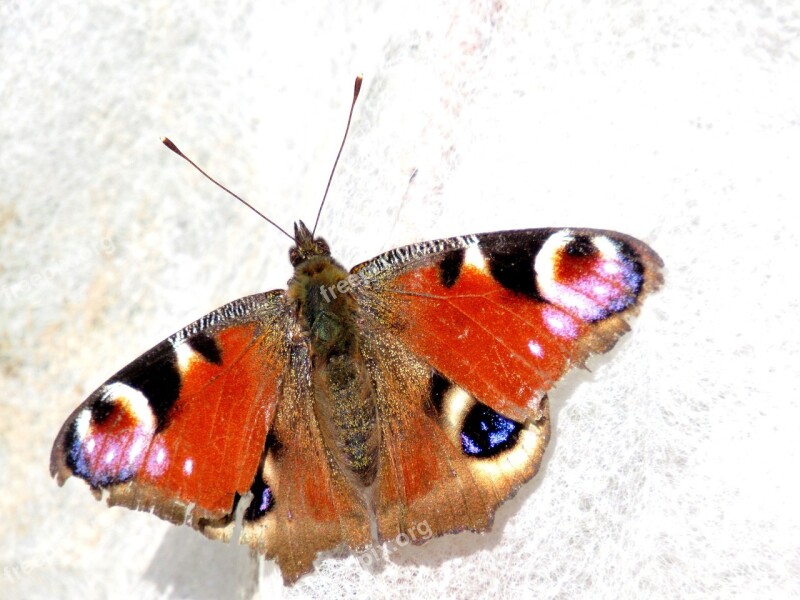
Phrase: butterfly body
[409,392]
[344,400]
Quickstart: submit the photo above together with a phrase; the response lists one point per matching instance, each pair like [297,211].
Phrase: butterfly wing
[180,430]
[217,410]
[469,334]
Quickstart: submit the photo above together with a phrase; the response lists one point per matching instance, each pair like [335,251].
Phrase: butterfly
[409,392]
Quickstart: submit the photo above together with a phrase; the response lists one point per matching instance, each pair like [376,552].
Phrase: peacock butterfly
[411,389]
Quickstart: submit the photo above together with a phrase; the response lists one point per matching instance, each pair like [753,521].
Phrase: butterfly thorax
[326,314]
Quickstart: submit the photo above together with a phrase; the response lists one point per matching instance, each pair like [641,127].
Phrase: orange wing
[481,328]
[505,314]
[185,424]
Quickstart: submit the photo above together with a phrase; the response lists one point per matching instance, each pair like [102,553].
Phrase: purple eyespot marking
[266,500]
[591,277]
[262,501]
[559,322]
[110,438]
[157,459]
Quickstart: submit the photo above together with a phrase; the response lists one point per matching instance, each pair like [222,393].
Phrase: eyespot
[479,431]
[486,433]
[262,501]
[110,438]
[590,276]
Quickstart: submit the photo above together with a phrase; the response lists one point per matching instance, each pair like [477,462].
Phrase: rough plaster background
[672,470]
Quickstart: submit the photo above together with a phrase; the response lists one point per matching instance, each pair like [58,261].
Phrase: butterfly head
[306,245]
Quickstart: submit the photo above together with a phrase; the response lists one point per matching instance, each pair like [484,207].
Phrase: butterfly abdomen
[343,394]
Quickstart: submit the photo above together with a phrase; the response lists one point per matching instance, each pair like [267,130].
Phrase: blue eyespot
[262,500]
[485,433]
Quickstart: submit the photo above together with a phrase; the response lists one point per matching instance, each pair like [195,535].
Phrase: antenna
[168,143]
[356,90]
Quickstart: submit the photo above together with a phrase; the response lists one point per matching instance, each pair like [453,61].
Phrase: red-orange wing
[186,423]
[505,314]
[466,336]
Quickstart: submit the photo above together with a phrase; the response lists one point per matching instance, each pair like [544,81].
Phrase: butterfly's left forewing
[478,329]
[180,430]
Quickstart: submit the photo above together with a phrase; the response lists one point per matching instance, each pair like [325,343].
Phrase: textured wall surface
[672,469]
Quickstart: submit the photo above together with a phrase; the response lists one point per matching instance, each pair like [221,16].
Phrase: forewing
[180,431]
[505,314]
